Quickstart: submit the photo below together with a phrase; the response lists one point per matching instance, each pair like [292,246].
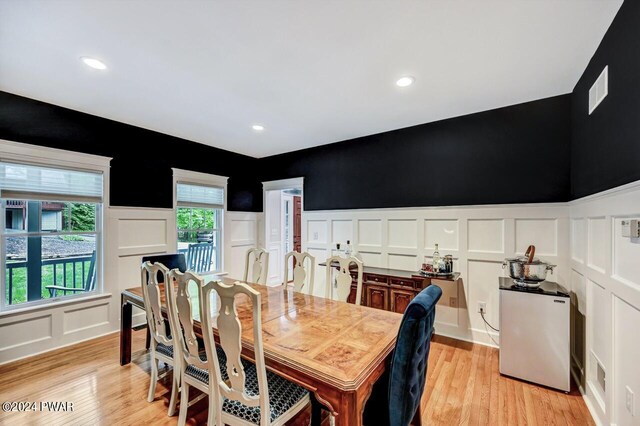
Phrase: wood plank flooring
[463,387]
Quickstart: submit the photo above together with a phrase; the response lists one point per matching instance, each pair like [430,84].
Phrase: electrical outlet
[453,302]
[315,236]
[629,400]
[482,307]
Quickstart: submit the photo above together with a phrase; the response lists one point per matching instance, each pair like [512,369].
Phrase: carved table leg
[125,331]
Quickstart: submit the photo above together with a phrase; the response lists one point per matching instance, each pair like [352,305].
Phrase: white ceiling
[312,72]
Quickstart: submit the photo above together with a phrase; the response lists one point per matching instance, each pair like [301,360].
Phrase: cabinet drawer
[377,279]
[402,282]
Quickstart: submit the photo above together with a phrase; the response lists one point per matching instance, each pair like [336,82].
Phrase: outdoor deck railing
[79,268]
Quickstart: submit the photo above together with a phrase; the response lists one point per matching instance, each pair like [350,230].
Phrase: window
[199,225]
[51,233]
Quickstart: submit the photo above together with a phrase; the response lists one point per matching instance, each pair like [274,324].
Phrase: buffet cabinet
[389,289]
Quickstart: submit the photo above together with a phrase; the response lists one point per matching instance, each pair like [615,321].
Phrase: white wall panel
[403,262]
[141,233]
[598,243]
[242,231]
[542,233]
[24,332]
[341,231]
[626,257]
[371,258]
[84,318]
[578,246]
[486,235]
[370,232]
[626,355]
[403,233]
[441,232]
[317,231]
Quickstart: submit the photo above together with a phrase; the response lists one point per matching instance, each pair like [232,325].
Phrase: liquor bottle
[437,260]
[348,250]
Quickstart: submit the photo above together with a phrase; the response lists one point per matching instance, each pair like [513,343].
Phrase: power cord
[486,323]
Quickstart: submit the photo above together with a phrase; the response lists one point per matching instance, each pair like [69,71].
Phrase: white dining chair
[338,283]
[257,262]
[162,343]
[301,275]
[240,393]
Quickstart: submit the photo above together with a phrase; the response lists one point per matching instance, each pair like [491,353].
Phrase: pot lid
[525,260]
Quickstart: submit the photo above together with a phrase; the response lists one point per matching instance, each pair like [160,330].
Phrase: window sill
[58,303]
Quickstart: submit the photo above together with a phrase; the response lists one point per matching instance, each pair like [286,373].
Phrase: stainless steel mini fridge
[535,333]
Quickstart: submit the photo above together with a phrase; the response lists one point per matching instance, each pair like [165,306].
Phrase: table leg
[349,413]
[126,315]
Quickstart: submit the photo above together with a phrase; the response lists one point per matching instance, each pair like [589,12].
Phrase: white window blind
[199,195]
[47,183]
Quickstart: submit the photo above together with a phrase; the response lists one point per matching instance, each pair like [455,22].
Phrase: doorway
[283,224]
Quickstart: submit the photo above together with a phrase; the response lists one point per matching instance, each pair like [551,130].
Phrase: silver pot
[526,270]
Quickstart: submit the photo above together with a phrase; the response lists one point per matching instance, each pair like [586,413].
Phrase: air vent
[601,377]
[599,90]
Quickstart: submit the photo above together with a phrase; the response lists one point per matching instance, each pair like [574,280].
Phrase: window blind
[46,183]
[199,195]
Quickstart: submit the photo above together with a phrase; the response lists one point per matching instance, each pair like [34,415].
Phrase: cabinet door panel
[400,300]
[377,297]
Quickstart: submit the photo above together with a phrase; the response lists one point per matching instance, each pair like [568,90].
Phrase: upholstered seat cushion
[203,375]
[283,394]
[166,350]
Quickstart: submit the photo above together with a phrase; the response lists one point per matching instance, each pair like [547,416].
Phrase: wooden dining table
[336,350]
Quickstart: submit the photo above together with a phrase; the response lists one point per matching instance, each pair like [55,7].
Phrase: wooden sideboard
[389,289]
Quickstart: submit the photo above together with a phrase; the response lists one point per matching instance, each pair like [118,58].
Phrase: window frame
[203,179]
[56,158]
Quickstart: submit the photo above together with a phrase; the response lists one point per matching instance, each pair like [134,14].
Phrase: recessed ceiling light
[405,81]
[257,127]
[94,63]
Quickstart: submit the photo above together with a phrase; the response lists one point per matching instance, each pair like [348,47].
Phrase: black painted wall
[605,148]
[517,154]
[142,159]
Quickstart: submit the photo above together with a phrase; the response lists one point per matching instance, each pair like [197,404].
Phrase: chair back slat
[340,288]
[408,370]
[199,257]
[258,261]
[230,332]
[180,304]
[152,300]
[301,275]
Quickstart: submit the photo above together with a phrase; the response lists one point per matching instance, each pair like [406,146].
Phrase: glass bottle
[437,260]
[348,250]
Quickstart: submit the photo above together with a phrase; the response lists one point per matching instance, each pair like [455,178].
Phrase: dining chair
[171,261]
[396,397]
[259,266]
[162,342]
[301,276]
[199,257]
[243,393]
[194,367]
[338,283]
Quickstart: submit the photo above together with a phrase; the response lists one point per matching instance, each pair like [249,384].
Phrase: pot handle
[531,251]
[550,268]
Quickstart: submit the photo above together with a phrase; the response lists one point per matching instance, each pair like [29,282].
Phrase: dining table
[336,350]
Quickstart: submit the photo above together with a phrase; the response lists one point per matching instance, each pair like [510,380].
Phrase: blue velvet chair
[397,394]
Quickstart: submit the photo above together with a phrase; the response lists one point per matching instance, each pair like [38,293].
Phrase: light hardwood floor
[463,387]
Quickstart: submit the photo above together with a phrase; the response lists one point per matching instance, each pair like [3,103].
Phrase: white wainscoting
[241,234]
[479,238]
[606,284]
